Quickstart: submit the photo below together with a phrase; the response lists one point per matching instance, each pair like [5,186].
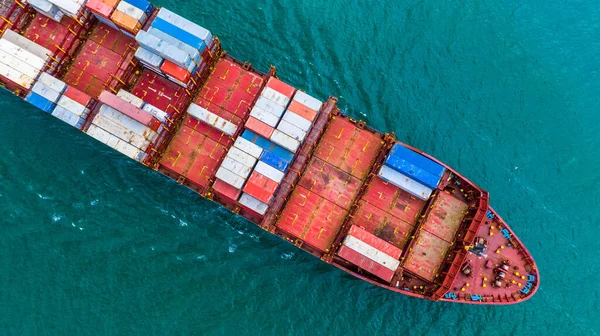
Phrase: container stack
[124,127]
[297,120]
[174,47]
[46,92]
[72,107]
[212,119]
[103,10]
[47,8]
[131,15]
[411,172]
[370,253]
[236,168]
[21,60]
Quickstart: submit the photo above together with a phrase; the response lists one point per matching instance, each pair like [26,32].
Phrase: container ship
[160,89]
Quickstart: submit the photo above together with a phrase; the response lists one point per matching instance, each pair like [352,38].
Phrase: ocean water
[507,92]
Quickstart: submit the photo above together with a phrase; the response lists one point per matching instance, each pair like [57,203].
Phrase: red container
[175,71]
[100,7]
[226,190]
[303,111]
[375,242]
[366,263]
[78,96]
[259,127]
[281,87]
[129,110]
[260,187]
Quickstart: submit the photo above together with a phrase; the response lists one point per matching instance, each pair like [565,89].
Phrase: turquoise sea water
[507,92]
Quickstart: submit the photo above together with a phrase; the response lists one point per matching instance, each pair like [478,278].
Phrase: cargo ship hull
[160,89]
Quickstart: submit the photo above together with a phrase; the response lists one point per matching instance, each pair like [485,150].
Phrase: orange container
[259,127]
[175,71]
[303,111]
[126,22]
[281,87]
[260,187]
[102,8]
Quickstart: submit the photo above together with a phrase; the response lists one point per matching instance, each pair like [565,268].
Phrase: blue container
[416,159]
[194,54]
[40,102]
[181,34]
[142,4]
[274,161]
[416,173]
[268,146]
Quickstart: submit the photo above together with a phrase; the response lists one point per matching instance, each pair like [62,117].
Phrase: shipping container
[265,117]
[275,97]
[18,64]
[416,173]
[285,141]
[144,5]
[291,130]
[131,98]
[225,189]
[366,264]
[374,241]
[121,132]
[241,156]
[297,120]
[130,111]
[248,147]
[274,161]
[308,101]
[268,146]
[46,92]
[193,52]
[72,106]
[236,167]
[303,111]
[130,124]
[416,159]
[270,106]
[126,22]
[259,127]
[253,204]
[405,183]
[165,50]
[186,25]
[102,8]
[107,20]
[68,117]
[181,34]
[212,119]
[78,96]
[40,102]
[148,58]
[52,82]
[230,178]
[15,76]
[371,253]
[174,71]
[132,11]
[116,143]
[261,187]
[161,115]
[268,171]
[27,45]
[19,53]
[47,9]
[68,7]
[281,87]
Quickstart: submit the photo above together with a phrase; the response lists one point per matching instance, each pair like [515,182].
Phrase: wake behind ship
[160,89]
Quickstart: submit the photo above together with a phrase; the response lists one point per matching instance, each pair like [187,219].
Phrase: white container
[149,58]
[372,253]
[248,147]
[254,204]
[132,11]
[21,54]
[212,119]
[131,98]
[266,117]
[46,92]
[15,76]
[52,82]
[18,65]
[269,106]
[268,171]
[127,122]
[308,101]
[193,52]
[165,50]
[121,132]
[292,131]
[42,5]
[72,106]
[242,157]
[285,141]
[68,7]
[405,183]
[115,143]
[238,168]
[155,111]
[68,117]
[275,97]
[26,44]
[186,25]
[297,121]
[230,178]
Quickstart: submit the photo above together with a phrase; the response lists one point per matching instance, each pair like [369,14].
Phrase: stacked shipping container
[125,16]
[21,60]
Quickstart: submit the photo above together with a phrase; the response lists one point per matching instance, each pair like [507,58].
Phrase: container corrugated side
[148,57]
[21,54]
[248,147]
[297,121]
[292,131]
[274,161]
[366,264]
[15,76]
[46,92]
[131,98]
[416,173]
[253,204]
[281,87]
[308,101]
[101,10]
[372,240]
[417,159]
[40,102]
[226,190]
[275,97]
[132,11]
[191,51]
[405,183]
[78,96]
[52,82]
[186,25]
[176,73]
[129,110]
[269,106]
[212,119]
[116,143]
[181,34]
[128,123]
[241,156]
[259,127]
[26,44]
[261,187]
[236,167]
[68,117]
[72,106]
[303,111]
[18,65]
[268,171]
[230,178]
[121,132]
[285,141]
[265,117]
[371,253]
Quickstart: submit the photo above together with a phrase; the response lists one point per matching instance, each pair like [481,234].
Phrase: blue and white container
[144,5]
[40,102]
[186,25]
[191,51]
[399,151]
[44,91]
[165,50]
[274,161]
[405,183]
